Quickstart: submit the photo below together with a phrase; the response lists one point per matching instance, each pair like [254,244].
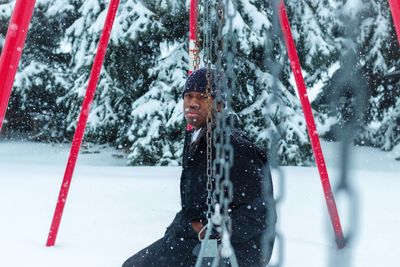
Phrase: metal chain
[196,49]
[224,158]
[227,156]
[218,170]
[354,108]
[207,33]
[207,59]
[271,37]
[196,54]
[218,133]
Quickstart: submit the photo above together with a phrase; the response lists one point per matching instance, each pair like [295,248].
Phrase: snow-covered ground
[113,210]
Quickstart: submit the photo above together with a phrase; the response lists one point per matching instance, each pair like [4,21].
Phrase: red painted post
[194,60]
[312,130]
[12,50]
[80,130]
[395,8]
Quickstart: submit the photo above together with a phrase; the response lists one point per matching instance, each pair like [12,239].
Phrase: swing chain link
[218,170]
[227,118]
[196,54]
[353,109]
[223,194]
[207,61]
[218,133]
[275,68]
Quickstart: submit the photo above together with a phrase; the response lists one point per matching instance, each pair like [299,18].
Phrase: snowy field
[113,210]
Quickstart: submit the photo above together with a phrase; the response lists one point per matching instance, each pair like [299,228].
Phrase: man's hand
[197,226]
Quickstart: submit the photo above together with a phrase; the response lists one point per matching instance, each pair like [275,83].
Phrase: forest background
[138,103]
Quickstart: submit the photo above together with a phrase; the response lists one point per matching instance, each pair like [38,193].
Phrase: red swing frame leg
[193,45]
[78,136]
[395,9]
[312,130]
[12,50]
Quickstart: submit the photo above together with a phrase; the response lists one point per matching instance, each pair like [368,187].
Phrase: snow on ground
[113,210]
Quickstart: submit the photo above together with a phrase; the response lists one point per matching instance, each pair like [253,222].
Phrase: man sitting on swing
[252,210]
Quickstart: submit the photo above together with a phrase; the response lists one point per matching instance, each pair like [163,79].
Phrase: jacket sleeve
[253,206]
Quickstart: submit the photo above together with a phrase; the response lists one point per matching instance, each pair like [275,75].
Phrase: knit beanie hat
[198,80]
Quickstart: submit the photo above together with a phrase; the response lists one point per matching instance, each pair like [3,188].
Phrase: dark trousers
[165,252]
[176,252]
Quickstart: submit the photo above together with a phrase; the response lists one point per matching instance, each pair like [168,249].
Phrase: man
[252,213]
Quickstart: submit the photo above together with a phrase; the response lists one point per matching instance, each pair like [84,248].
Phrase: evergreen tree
[157,128]
[138,103]
[42,74]
[373,38]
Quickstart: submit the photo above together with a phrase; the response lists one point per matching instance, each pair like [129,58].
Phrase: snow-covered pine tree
[261,112]
[158,114]
[381,63]
[124,76]
[81,38]
[375,42]
[138,104]
[152,35]
[155,135]
[42,74]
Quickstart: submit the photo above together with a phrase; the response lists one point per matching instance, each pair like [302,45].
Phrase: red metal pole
[80,130]
[395,8]
[193,45]
[12,50]
[312,130]
[194,59]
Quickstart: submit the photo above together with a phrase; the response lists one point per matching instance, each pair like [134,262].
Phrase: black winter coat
[253,215]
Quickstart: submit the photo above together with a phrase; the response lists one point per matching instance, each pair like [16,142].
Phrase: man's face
[195,107]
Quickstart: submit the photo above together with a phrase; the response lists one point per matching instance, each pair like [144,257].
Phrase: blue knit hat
[198,80]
